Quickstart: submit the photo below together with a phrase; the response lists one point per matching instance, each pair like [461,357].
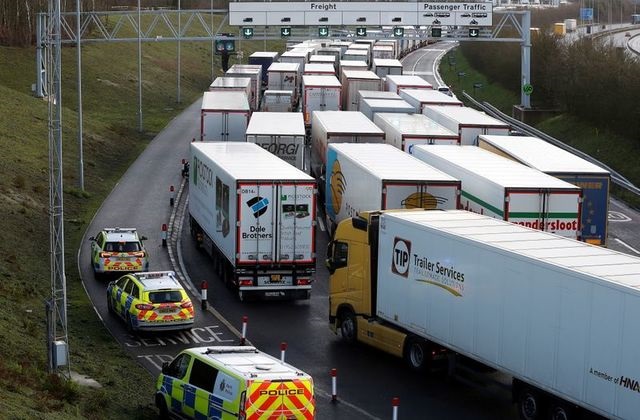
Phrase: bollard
[334,394]
[395,402]
[171,195]
[164,235]
[203,290]
[283,348]
[243,339]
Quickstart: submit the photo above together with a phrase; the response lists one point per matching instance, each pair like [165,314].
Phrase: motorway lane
[141,200]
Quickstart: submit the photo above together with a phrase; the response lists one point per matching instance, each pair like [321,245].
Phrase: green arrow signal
[527,89]
[323,31]
[247,32]
[398,31]
[361,32]
[285,31]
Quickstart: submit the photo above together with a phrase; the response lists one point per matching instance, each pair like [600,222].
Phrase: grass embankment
[607,147]
[111,143]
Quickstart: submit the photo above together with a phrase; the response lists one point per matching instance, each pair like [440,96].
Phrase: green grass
[111,142]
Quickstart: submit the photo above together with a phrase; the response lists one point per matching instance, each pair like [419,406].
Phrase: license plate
[165,310]
[122,259]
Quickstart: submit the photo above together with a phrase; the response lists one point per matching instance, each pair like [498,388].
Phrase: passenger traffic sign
[361,31]
[247,32]
[527,89]
[398,32]
[285,32]
[474,32]
[323,31]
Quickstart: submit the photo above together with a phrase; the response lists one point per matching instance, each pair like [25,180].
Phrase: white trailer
[420,98]
[507,190]
[370,107]
[224,116]
[467,122]
[405,131]
[320,93]
[277,101]
[319,69]
[384,67]
[285,76]
[383,51]
[395,82]
[343,45]
[299,56]
[255,214]
[356,55]
[353,81]
[281,133]
[376,94]
[363,177]
[389,43]
[232,84]
[338,127]
[254,72]
[323,59]
[554,161]
[556,315]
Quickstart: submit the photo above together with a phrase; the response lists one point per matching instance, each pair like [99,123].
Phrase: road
[367,379]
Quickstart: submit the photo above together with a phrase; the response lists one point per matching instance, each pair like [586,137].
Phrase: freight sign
[361,13]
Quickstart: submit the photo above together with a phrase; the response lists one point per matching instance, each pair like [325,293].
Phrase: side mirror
[165,368]
[329,264]
[143,238]
[91,238]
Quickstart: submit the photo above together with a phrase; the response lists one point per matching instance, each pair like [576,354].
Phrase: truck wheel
[529,404]
[109,305]
[560,411]
[415,354]
[348,326]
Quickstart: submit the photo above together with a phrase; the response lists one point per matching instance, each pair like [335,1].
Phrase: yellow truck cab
[233,382]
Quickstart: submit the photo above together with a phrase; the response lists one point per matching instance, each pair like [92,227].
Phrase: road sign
[474,32]
[361,31]
[527,89]
[247,32]
[285,32]
[436,32]
[477,85]
[398,32]
[323,31]
[586,13]
[225,46]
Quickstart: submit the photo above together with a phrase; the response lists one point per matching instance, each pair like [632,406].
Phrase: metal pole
[213,51]
[139,71]
[79,62]
[179,34]
[40,71]
[526,58]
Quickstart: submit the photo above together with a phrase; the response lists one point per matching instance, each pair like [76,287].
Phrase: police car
[118,250]
[152,301]
[233,382]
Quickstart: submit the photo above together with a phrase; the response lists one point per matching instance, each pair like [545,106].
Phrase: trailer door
[295,220]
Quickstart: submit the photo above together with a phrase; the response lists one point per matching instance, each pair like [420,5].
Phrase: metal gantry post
[57,306]
[179,34]
[526,59]
[79,63]
[140,128]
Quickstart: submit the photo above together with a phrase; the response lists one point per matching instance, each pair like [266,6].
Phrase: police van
[233,382]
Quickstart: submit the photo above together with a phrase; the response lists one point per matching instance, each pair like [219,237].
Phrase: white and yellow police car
[118,250]
[151,301]
[233,382]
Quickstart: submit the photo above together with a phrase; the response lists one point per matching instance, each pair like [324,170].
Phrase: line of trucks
[449,237]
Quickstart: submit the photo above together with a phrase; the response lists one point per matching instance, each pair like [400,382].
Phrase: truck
[320,93]
[420,98]
[467,122]
[386,66]
[552,160]
[319,69]
[353,81]
[362,177]
[224,116]
[237,84]
[371,106]
[255,215]
[285,76]
[264,59]
[383,51]
[281,133]
[254,72]
[376,94]
[353,54]
[556,317]
[507,190]
[404,131]
[396,82]
[277,101]
[338,127]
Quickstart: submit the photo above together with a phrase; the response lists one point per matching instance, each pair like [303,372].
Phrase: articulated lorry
[372,176]
[558,316]
[255,214]
[552,160]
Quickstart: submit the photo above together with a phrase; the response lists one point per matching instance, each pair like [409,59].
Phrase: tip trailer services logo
[400,257]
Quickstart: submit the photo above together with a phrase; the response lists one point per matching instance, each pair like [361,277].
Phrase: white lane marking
[343,402]
[616,216]
[420,73]
[321,223]
[627,246]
